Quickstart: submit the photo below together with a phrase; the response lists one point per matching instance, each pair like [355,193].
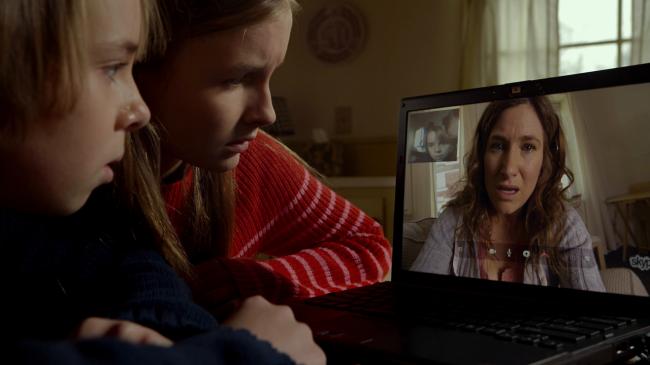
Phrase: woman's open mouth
[507,191]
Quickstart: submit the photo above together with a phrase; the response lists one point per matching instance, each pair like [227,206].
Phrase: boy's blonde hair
[42,49]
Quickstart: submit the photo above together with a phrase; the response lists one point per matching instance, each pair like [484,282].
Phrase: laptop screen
[541,183]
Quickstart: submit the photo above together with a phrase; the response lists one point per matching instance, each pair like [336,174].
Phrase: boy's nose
[134,116]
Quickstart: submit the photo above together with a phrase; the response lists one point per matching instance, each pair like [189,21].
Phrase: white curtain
[588,176]
[640,31]
[508,40]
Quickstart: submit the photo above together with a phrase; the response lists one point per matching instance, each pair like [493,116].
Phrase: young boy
[67,101]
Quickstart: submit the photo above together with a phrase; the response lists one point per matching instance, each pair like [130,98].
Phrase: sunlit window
[594,34]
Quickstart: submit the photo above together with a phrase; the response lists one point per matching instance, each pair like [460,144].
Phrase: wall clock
[337,32]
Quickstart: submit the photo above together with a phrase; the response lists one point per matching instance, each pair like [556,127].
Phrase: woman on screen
[511,221]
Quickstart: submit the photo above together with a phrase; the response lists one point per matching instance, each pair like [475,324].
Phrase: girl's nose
[262,112]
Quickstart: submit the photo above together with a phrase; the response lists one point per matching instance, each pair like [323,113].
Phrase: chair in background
[415,233]
[599,251]
[621,280]
[633,208]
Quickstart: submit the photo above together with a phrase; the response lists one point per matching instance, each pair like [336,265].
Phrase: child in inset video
[438,146]
[511,222]
[437,141]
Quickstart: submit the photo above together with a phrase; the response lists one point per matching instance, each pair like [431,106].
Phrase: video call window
[608,201]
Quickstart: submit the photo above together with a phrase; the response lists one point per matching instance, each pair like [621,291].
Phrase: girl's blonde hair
[42,48]
[211,208]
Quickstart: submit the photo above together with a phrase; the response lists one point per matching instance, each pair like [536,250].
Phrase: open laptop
[430,318]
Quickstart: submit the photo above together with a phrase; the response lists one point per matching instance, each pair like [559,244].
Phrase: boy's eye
[112,70]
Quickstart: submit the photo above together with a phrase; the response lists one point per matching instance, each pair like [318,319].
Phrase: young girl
[68,99]
[511,221]
[438,146]
[233,193]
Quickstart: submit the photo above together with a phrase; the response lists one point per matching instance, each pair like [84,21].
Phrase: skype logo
[640,262]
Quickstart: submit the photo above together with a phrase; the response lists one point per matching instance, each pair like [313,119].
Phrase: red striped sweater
[318,241]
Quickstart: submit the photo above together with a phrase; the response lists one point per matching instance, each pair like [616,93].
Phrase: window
[594,35]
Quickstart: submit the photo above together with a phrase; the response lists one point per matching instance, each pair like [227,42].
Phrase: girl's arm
[317,241]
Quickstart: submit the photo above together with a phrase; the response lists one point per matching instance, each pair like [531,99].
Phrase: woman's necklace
[505,256]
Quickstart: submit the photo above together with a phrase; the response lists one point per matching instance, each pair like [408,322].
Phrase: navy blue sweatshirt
[58,271]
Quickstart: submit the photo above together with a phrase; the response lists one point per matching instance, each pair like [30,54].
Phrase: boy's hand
[277,325]
[95,327]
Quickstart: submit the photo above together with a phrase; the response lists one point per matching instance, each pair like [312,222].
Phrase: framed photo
[433,135]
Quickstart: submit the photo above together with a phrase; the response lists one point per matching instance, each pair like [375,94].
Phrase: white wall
[412,48]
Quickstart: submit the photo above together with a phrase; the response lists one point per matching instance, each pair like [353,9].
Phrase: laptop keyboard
[545,330]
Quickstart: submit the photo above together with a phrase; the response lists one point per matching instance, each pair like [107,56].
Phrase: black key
[533,323]
[527,340]
[629,320]
[507,325]
[491,331]
[565,336]
[581,331]
[613,322]
[471,320]
[542,318]
[537,335]
[508,336]
[551,344]
[565,321]
[484,323]
[595,326]
[471,328]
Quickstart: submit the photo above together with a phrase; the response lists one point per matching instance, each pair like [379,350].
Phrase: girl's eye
[240,80]
[233,82]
